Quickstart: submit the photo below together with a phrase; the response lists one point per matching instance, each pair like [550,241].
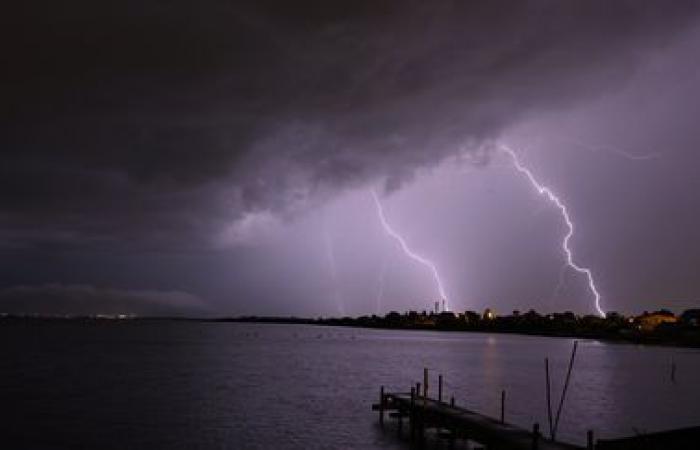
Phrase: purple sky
[219,157]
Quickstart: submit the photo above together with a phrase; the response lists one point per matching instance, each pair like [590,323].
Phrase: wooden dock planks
[431,413]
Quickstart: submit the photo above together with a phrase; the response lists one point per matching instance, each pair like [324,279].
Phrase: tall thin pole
[536,436]
[412,413]
[549,396]
[425,382]
[381,406]
[503,406]
[566,387]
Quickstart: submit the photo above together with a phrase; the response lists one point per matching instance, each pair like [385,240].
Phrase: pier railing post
[440,388]
[399,427]
[425,382]
[412,413]
[503,406]
[549,398]
[381,406]
[589,440]
[535,436]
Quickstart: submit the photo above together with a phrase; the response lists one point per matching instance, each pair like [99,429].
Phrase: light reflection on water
[216,386]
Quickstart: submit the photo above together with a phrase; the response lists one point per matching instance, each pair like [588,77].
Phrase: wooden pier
[452,422]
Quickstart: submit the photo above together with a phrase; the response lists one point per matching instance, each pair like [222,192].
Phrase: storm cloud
[159,124]
[219,156]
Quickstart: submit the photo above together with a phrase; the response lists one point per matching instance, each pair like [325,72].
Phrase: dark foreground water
[178,385]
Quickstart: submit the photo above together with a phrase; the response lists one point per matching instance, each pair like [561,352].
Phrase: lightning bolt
[410,253]
[552,197]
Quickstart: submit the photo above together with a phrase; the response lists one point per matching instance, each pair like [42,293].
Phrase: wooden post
[503,406]
[563,392]
[412,413]
[420,422]
[425,382]
[440,388]
[399,428]
[549,398]
[535,436]
[381,406]
[417,390]
[452,402]
[589,440]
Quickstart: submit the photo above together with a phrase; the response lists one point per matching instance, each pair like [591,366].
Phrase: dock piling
[564,390]
[589,440]
[457,423]
[535,436]
[440,388]
[503,406]
[411,414]
[425,382]
[381,406]
[549,397]
[399,419]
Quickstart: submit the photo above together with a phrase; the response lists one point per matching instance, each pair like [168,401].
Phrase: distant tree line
[657,327]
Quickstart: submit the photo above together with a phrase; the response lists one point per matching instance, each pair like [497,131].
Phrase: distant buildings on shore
[645,322]
[658,326]
[649,327]
[648,322]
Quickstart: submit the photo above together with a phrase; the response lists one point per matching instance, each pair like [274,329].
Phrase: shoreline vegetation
[655,328]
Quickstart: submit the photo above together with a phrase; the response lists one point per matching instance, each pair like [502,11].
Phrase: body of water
[189,385]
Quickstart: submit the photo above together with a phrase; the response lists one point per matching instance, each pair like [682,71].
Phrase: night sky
[219,157]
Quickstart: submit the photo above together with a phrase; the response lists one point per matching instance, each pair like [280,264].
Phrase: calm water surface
[181,385]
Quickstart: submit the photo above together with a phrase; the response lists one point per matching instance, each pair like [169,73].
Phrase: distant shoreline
[682,338]
[656,339]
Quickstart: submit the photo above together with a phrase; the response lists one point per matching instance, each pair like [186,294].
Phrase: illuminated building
[649,321]
[489,314]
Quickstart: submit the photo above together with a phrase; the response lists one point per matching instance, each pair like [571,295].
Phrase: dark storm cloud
[163,121]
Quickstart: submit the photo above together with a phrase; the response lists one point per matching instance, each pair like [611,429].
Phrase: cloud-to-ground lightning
[410,253]
[552,197]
